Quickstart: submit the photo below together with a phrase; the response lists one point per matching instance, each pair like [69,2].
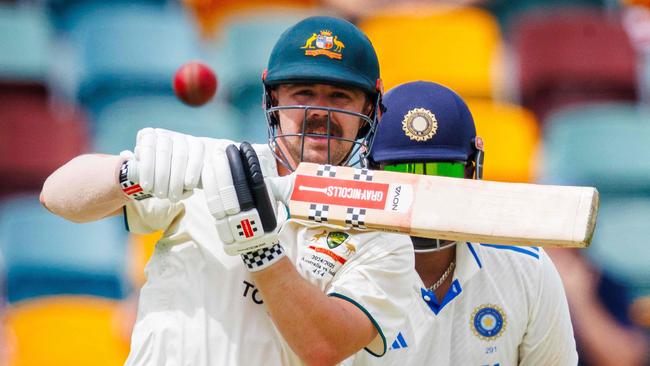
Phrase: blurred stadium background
[560,91]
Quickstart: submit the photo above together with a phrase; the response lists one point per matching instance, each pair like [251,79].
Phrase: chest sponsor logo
[488,322]
[251,292]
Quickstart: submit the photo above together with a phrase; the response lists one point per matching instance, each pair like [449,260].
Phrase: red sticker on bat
[349,193]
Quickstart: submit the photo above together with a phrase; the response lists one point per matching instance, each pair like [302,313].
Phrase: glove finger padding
[195,157]
[213,167]
[246,226]
[167,163]
[164,150]
[260,194]
[145,155]
[178,167]
[211,189]
[239,180]
[224,182]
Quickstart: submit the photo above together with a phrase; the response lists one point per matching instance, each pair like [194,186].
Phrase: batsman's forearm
[85,189]
[321,330]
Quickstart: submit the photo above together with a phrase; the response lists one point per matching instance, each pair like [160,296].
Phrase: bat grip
[239,180]
[281,187]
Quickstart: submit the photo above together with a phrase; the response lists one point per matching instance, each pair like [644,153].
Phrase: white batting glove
[167,164]
[240,231]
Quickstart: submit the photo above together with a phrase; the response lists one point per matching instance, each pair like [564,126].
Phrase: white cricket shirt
[506,306]
[200,306]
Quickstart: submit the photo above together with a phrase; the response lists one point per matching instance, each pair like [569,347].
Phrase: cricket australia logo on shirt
[327,252]
[488,322]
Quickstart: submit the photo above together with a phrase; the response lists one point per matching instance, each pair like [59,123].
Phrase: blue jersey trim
[372,320]
[533,253]
[478,261]
[454,291]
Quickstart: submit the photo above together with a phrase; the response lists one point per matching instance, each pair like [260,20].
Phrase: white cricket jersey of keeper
[506,306]
[200,306]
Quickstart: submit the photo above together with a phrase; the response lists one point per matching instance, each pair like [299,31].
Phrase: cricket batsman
[221,289]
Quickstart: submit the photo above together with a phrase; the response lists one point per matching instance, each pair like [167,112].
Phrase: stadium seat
[599,145]
[47,255]
[35,139]
[437,43]
[130,50]
[573,56]
[64,14]
[212,14]
[117,125]
[65,331]
[24,45]
[621,241]
[240,68]
[507,11]
[644,80]
[606,146]
[511,136]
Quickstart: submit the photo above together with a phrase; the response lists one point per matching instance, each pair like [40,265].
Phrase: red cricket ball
[195,83]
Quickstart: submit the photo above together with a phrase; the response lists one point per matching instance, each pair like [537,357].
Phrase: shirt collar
[468,261]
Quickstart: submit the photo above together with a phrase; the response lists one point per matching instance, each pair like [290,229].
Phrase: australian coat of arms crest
[325,43]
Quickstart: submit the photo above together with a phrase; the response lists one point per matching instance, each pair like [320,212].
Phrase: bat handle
[281,187]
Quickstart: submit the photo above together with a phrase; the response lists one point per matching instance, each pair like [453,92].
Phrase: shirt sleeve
[377,281]
[549,339]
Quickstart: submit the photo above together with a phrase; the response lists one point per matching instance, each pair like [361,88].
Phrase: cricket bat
[437,207]
[442,207]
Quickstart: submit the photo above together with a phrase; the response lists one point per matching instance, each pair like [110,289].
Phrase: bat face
[445,208]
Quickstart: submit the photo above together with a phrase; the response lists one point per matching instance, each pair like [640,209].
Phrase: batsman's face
[341,125]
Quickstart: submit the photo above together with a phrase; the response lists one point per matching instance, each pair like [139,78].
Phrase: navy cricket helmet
[426,122]
[325,50]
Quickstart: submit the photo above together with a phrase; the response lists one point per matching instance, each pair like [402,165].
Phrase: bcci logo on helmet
[325,44]
[420,124]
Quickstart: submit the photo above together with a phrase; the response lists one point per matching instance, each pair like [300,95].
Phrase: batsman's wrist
[130,189]
[260,259]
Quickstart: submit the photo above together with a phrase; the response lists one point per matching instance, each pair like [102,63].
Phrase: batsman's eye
[304,93]
[341,96]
